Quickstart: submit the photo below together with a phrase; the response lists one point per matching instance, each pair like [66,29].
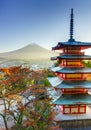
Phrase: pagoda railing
[73,53]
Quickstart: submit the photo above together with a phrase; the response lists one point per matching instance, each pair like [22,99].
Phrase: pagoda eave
[73,99]
[74,57]
[82,45]
[54,69]
[60,72]
[71,57]
[60,84]
[54,58]
[74,70]
[75,84]
[54,81]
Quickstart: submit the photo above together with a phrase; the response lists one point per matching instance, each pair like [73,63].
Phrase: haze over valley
[31,54]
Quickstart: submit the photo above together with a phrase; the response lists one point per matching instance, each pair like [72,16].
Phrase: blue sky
[45,22]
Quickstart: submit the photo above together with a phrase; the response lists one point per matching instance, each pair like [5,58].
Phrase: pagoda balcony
[74,91]
[71,63]
[72,53]
[72,66]
[72,79]
[69,77]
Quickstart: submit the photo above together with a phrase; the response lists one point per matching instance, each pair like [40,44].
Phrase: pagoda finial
[71,25]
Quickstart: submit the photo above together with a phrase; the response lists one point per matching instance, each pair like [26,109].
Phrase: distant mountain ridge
[31,51]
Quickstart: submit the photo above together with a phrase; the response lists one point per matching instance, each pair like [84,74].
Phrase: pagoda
[71,79]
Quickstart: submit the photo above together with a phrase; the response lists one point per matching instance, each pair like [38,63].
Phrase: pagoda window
[82,109]
[73,50]
[74,109]
[66,109]
[73,76]
[74,63]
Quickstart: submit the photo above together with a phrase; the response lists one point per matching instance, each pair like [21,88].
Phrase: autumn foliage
[26,100]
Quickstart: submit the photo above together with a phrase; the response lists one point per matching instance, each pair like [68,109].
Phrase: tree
[15,81]
[21,83]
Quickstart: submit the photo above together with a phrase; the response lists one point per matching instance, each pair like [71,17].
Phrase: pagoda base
[74,121]
[84,124]
[62,116]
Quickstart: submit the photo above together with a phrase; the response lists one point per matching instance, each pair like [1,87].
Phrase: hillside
[31,53]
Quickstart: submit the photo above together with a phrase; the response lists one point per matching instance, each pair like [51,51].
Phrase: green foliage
[57,63]
[46,82]
[49,73]
[87,63]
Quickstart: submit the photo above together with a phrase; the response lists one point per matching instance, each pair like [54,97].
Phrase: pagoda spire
[71,25]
